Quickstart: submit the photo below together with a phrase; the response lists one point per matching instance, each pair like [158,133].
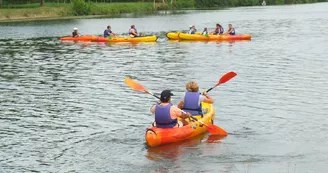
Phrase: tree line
[178,3]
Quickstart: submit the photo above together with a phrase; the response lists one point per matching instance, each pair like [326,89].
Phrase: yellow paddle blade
[134,85]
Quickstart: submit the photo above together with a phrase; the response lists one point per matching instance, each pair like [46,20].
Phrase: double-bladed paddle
[213,129]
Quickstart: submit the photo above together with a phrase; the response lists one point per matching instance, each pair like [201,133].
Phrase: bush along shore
[78,8]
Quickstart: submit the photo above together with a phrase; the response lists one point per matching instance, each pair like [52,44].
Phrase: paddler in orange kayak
[75,33]
[108,32]
[218,30]
[231,31]
[166,115]
[191,101]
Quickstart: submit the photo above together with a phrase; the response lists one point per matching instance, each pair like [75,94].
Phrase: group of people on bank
[166,115]
[218,30]
[109,33]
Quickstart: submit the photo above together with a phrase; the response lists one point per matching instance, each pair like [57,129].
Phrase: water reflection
[174,151]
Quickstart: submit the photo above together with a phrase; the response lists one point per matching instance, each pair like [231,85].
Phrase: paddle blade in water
[216,130]
[134,85]
[226,77]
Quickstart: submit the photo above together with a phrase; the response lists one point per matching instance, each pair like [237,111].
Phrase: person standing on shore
[75,33]
[133,31]
[108,32]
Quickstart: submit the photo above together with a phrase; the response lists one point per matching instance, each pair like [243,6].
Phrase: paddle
[213,129]
[136,86]
[224,79]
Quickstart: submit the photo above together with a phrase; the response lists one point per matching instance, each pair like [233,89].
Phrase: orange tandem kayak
[111,39]
[159,136]
[196,37]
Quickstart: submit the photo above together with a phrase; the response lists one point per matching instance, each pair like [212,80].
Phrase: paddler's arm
[185,115]
[133,32]
[228,32]
[180,113]
[208,99]
[152,109]
[180,105]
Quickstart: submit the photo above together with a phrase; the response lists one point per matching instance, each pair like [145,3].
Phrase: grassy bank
[54,10]
[33,11]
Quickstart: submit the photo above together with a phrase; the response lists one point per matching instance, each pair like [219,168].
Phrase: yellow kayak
[111,39]
[175,35]
[159,136]
[196,37]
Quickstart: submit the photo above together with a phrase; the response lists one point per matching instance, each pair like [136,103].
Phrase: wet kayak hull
[111,39]
[159,136]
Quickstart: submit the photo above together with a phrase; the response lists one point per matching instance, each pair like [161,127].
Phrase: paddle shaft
[210,89]
[198,120]
[152,94]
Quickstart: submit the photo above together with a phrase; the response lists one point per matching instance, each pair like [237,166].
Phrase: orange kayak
[196,37]
[111,39]
[159,136]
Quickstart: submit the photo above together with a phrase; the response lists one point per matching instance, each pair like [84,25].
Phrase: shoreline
[52,18]
[12,15]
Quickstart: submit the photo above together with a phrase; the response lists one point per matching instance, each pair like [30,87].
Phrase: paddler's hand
[205,94]
[188,114]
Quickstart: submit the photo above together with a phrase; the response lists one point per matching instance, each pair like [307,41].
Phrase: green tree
[42,3]
[0,3]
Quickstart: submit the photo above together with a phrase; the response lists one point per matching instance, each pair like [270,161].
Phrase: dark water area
[65,108]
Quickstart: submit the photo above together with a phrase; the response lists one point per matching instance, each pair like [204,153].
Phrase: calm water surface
[65,108]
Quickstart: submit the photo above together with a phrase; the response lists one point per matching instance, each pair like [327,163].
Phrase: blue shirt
[191,31]
[107,32]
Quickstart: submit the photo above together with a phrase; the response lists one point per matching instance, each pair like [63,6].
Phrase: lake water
[65,108]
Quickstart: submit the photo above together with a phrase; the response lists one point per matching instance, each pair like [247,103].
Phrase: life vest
[75,34]
[221,30]
[234,32]
[191,31]
[191,103]
[163,117]
[204,33]
[106,33]
[135,30]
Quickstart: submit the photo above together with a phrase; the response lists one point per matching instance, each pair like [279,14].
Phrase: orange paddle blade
[134,85]
[226,77]
[216,130]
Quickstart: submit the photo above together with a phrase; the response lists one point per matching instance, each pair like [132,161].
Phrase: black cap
[166,95]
